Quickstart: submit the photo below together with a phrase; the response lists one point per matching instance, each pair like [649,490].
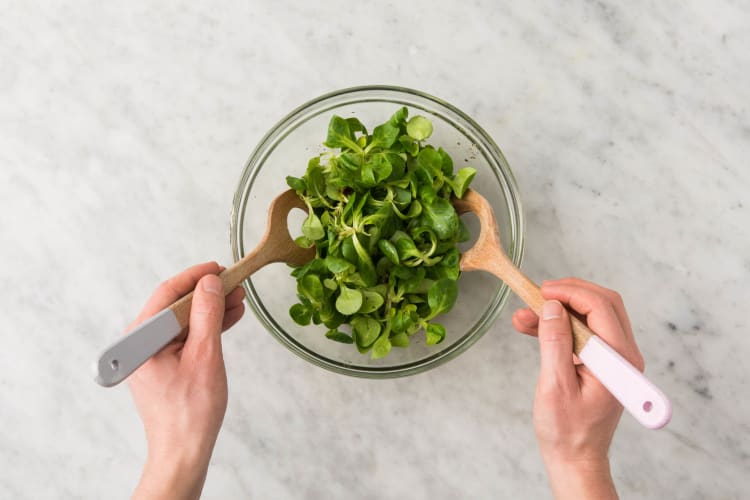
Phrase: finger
[176,287]
[525,321]
[159,366]
[531,332]
[557,371]
[614,298]
[232,316]
[527,317]
[203,343]
[234,298]
[600,316]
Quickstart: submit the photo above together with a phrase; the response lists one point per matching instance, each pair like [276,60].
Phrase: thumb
[206,316]
[556,348]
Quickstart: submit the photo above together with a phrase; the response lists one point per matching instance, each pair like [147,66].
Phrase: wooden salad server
[124,356]
[627,384]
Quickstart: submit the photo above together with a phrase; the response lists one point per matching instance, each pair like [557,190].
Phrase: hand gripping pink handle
[631,388]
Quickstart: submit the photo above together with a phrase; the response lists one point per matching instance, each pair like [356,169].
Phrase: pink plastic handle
[628,385]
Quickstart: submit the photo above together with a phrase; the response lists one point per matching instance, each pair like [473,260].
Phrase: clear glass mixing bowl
[285,150]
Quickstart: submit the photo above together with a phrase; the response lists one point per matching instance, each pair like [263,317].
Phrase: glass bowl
[286,149]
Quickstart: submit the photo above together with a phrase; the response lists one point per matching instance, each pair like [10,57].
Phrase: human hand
[574,415]
[181,392]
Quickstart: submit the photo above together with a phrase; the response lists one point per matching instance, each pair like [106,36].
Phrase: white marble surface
[123,130]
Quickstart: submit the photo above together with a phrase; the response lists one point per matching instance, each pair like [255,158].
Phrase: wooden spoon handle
[231,277]
[532,296]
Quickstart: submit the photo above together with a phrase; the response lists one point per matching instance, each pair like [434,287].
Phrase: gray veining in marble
[124,128]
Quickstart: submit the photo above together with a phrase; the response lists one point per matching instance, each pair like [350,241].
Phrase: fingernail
[552,309]
[212,284]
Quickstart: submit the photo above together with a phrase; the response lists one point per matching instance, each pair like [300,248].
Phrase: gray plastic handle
[125,356]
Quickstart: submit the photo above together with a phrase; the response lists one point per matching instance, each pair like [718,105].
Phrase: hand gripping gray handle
[125,356]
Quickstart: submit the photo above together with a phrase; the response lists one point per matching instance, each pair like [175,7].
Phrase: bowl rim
[498,164]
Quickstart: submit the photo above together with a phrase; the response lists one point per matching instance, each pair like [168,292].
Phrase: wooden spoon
[637,394]
[124,356]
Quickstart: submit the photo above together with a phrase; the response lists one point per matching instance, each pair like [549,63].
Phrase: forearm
[581,480]
[163,478]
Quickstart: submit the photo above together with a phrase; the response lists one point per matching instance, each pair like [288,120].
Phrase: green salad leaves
[385,234]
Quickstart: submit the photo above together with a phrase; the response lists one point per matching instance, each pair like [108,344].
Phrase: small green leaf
[381,347]
[417,299]
[402,196]
[312,228]
[430,160]
[338,265]
[349,301]
[434,333]
[349,206]
[368,175]
[356,126]
[383,268]
[415,282]
[296,183]
[325,219]
[419,128]
[303,242]
[317,266]
[316,182]
[381,166]
[427,193]
[326,312]
[300,314]
[400,340]
[333,192]
[334,320]
[402,272]
[371,302]
[330,284]
[398,165]
[441,217]
[441,296]
[356,280]
[340,134]
[351,161]
[348,250]
[415,209]
[461,181]
[448,267]
[405,320]
[399,117]
[339,336]
[404,246]
[398,324]
[365,268]
[446,164]
[383,136]
[409,144]
[310,266]
[311,287]
[366,330]
[389,250]
[420,288]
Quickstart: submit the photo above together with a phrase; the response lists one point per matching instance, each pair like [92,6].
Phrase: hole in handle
[647,406]
[114,364]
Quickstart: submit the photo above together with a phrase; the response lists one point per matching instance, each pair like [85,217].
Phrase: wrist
[581,479]
[176,476]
